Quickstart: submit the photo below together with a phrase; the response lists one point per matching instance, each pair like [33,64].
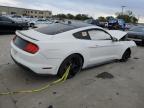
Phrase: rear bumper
[21,65]
[36,63]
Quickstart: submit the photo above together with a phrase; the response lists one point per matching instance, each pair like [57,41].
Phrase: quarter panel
[61,49]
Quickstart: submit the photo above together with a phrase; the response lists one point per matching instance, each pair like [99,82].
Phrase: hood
[117,33]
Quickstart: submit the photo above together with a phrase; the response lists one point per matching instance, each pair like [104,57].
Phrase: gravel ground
[125,89]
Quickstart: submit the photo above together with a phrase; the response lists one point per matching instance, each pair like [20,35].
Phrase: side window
[99,35]
[82,35]
[5,19]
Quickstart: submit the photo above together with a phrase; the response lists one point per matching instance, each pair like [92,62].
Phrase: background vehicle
[17,18]
[92,21]
[7,25]
[36,22]
[137,34]
[51,49]
[116,24]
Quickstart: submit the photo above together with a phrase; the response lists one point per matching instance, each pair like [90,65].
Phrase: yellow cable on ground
[62,79]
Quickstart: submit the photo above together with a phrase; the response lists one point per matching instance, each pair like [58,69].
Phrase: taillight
[31,48]
[25,45]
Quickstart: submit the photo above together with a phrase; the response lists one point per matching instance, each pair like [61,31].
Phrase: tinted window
[99,35]
[56,28]
[20,43]
[82,35]
[5,19]
[89,21]
[41,20]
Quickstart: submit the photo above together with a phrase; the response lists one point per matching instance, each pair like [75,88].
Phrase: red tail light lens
[25,45]
[31,48]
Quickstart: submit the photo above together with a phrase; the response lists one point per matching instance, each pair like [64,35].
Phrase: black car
[92,21]
[8,25]
[137,34]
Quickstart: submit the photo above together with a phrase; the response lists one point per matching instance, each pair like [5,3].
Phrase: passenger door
[102,47]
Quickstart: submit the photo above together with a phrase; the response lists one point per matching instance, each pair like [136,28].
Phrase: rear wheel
[76,63]
[126,55]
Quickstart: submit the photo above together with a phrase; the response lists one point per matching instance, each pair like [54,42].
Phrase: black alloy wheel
[76,63]
[126,55]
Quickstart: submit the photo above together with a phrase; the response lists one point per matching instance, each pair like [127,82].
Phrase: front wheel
[126,55]
[76,63]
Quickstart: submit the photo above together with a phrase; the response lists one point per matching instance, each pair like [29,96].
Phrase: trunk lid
[33,35]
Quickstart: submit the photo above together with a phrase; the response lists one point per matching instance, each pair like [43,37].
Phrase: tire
[76,62]
[126,55]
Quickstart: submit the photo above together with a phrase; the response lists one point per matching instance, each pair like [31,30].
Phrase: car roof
[78,24]
[56,28]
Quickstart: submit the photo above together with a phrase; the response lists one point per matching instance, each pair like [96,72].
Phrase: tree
[128,17]
[82,17]
[102,19]
[109,17]
[60,16]
[70,16]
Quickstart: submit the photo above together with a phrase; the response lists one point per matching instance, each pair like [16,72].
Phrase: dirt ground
[85,90]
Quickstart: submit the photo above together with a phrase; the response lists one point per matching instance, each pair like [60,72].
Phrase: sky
[94,8]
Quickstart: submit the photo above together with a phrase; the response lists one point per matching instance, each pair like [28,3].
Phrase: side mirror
[114,39]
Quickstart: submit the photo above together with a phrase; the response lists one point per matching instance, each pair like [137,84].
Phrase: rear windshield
[55,28]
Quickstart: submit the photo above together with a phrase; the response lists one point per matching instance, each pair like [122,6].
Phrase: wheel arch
[68,57]
[71,55]
[128,48]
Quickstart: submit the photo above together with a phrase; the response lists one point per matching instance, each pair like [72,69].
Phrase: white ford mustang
[50,50]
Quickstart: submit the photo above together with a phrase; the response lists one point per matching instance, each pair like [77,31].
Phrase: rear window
[82,35]
[55,28]
[19,42]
